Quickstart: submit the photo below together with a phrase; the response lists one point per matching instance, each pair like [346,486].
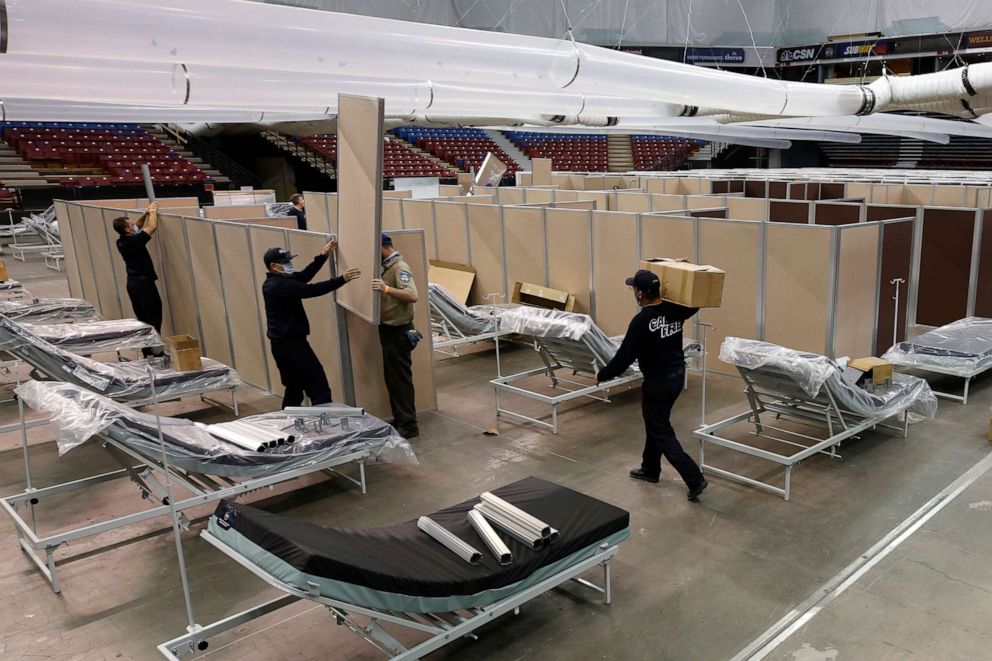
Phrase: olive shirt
[397,275]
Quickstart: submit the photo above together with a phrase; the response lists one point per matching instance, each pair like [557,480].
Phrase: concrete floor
[694,581]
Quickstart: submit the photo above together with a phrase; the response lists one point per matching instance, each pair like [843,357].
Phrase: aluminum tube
[237,439]
[338,412]
[515,512]
[489,536]
[146,174]
[252,431]
[522,534]
[446,538]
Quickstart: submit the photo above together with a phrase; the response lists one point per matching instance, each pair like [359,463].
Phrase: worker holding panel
[398,337]
[132,244]
[284,290]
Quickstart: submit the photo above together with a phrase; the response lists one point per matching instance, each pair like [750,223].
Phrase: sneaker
[694,492]
[412,432]
[639,474]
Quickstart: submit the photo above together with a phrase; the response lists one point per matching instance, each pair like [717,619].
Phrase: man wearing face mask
[132,243]
[654,340]
[288,327]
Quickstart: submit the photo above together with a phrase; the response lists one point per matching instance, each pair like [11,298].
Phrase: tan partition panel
[261,239]
[100,255]
[485,230]
[594,182]
[507,196]
[366,352]
[854,316]
[445,190]
[664,202]
[858,190]
[234,213]
[392,214]
[567,195]
[601,198]
[742,208]
[541,171]
[735,247]
[359,169]
[286,223]
[116,204]
[215,335]
[569,235]
[539,195]
[895,193]
[797,276]
[168,202]
[655,185]
[175,275]
[577,204]
[117,266]
[919,195]
[243,296]
[705,201]
[318,214]
[87,283]
[524,243]
[62,212]
[947,196]
[633,202]
[667,236]
[332,214]
[419,215]
[396,194]
[451,225]
[615,258]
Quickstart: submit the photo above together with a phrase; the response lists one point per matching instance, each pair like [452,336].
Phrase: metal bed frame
[775,392]
[451,337]
[443,628]
[967,376]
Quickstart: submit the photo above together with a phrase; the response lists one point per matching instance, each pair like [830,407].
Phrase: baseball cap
[386,239]
[277,256]
[645,281]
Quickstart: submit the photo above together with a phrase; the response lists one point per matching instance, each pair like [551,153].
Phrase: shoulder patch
[405,277]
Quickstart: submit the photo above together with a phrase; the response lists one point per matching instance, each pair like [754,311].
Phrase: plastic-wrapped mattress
[815,375]
[97,336]
[467,320]
[122,381]
[79,415]
[42,310]
[400,568]
[962,347]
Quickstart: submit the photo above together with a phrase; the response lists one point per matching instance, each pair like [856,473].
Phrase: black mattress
[403,560]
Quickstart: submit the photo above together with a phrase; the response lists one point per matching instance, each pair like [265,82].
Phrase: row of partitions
[210,278]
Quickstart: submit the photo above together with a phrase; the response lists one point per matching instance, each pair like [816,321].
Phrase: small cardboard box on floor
[185,352]
[691,285]
[542,297]
[4,276]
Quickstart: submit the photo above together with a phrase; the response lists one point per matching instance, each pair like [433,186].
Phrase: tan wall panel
[524,241]
[920,195]
[117,266]
[419,215]
[541,175]
[234,213]
[451,226]
[601,198]
[655,185]
[396,194]
[948,196]
[570,254]
[594,182]
[214,333]
[243,296]
[318,213]
[667,236]
[62,212]
[539,195]
[486,243]
[614,260]
[263,238]
[507,196]
[857,190]
[157,255]
[168,202]
[286,223]
[322,312]
[392,214]
[567,195]
[100,261]
[577,204]
[445,190]
[854,320]
[87,282]
[664,202]
[796,286]
[742,208]
[734,247]
[174,276]
[633,202]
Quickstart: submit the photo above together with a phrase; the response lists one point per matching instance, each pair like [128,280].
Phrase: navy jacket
[284,294]
[654,340]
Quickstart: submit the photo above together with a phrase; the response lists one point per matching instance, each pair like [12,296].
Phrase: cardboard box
[456,278]
[692,285]
[4,276]
[185,352]
[880,370]
[539,296]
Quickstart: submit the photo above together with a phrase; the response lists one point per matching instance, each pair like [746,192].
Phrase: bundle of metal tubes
[489,536]
[517,523]
[338,412]
[453,543]
[248,436]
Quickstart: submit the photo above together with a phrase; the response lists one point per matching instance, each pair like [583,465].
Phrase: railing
[309,156]
[237,173]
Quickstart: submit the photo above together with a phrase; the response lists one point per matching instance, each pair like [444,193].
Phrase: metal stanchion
[495,297]
[895,317]
[24,444]
[702,414]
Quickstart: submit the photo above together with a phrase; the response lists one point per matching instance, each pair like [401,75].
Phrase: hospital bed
[399,578]
[87,338]
[12,290]
[455,324]
[49,310]
[812,391]
[567,342]
[962,348]
[44,228]
[203,460]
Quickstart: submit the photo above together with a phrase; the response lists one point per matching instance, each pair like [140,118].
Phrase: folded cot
[371,580]
[196,459]
[962,348]
[42,310]
[812,390]
[87,338]
[456,324]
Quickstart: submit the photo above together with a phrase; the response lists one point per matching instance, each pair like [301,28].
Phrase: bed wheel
[338,620]
[33,501]
[202,645]
[165,501]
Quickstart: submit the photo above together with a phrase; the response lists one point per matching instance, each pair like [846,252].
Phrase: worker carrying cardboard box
[654,340]
[284,290]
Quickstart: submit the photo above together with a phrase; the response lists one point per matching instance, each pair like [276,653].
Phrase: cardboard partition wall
[897,262]
[235,212]
[667,236]
[392,214]
[215,340]
[837,213]
[485,229]
[855,308]
[419,215]
[569,236]
[456,278]
[945,265]
[359,214]
[541,172]
[615,257]
[451,223]
[319,216]
[525,246]
[781,211]
[69,247]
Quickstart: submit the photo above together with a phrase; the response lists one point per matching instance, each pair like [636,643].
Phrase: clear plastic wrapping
[10,285]
[122,381]
[97,336]
[539,322]
[79,414]
[468,321]
[41,310]
[277,209]
[963,347]
[811,372]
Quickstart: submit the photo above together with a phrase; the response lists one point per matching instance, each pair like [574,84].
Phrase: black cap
[277,256]
[644,281]
[386,239]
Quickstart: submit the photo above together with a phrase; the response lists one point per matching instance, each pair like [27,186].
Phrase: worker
[398,337]
[298,209]
[132,244]
[288,327]
[654,340]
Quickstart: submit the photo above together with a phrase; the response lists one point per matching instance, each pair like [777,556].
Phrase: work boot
[694,492]
[409,432]
[639,474]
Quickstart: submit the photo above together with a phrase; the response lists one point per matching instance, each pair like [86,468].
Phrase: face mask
[288,269]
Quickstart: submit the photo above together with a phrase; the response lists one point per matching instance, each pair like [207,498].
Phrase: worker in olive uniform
[654,340]
[284,290]
[398,293]
[132,244]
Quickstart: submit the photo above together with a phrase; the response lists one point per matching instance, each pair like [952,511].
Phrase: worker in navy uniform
[132,243]
[299,211]
[398,293]
[654,340]
[284,290]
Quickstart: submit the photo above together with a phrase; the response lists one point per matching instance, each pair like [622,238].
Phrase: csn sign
[804,54]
